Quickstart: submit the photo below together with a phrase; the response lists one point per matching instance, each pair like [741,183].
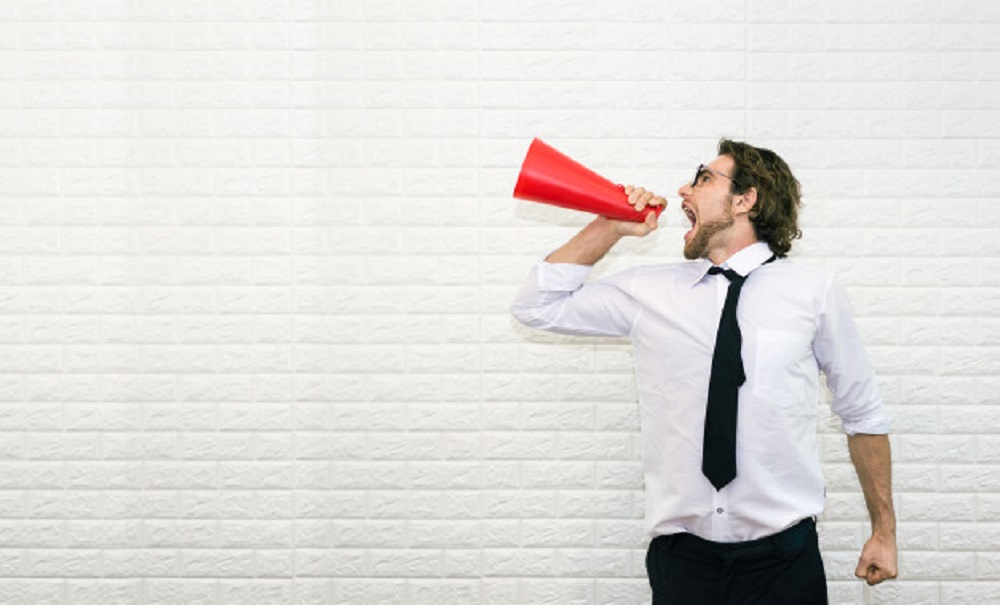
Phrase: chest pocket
[783,368]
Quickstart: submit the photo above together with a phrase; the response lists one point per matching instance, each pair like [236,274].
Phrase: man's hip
[783,568]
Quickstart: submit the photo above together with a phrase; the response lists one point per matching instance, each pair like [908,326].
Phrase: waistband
[791,539]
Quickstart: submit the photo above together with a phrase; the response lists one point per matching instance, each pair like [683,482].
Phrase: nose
[685,190]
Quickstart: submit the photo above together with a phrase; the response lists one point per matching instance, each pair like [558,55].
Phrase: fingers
[876,575]
[872,574]
[639,198]
[644,228]
[878,561]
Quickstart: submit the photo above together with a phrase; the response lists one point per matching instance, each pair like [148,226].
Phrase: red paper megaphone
[550,177]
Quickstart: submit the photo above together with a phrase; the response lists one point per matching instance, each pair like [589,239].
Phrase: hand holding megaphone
[550,177]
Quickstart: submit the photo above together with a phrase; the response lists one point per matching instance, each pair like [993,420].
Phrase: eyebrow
[716,172]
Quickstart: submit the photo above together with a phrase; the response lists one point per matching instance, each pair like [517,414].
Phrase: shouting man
[728,352]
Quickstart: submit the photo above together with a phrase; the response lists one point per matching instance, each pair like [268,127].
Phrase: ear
[746,201]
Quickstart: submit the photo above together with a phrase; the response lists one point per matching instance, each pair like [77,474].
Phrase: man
[728,351]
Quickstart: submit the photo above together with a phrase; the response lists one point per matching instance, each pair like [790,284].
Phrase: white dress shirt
[795,322]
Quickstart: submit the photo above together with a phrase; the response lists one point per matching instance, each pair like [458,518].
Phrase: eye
[704,178]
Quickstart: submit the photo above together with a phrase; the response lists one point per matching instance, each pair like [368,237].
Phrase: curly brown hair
[779,195]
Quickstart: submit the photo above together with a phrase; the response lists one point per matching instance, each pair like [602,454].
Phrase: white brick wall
[256,257]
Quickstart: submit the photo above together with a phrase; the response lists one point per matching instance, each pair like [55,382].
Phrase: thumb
[864,569]
[869,572]
[651,222]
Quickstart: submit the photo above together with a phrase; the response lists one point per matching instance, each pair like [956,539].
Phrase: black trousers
[781,569]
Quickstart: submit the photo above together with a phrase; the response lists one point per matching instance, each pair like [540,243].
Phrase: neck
[721,253]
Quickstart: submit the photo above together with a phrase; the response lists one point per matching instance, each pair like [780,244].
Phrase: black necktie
[718,461]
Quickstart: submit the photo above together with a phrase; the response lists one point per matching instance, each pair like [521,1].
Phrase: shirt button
[720,510]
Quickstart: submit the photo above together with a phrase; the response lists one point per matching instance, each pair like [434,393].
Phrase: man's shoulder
[799,268]
[799,275]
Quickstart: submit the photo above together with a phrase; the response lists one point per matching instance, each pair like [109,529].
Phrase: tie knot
[731,275]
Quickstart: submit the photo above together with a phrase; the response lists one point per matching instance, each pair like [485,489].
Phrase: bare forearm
[589,245]
[596,239]
[872,459]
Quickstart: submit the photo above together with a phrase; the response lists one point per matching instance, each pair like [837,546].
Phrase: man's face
[708,204]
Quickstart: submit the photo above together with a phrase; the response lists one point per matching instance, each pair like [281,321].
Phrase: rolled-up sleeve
[849,373]
[556,298]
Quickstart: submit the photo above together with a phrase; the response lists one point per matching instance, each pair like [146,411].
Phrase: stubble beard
[697,246]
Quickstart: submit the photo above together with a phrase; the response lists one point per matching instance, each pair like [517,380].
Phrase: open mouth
[691,217]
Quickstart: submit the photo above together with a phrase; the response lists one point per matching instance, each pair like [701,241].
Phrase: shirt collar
[743,262]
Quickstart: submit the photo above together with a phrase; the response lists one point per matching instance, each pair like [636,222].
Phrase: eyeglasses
[702,169]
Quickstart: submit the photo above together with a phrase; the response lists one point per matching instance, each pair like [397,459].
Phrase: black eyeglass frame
[702,168]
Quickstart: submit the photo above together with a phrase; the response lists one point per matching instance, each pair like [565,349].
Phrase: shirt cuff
[878,425]
[561,277]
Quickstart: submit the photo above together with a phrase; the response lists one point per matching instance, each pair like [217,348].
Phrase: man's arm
[872,460]
[596,239]
[554,298]
[856,399]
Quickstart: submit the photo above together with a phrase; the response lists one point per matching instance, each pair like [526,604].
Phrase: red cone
[550,177]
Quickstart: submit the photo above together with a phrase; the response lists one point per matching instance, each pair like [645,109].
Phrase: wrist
[608,229]
[885,532]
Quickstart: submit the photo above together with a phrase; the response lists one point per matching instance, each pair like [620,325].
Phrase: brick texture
[256,257]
